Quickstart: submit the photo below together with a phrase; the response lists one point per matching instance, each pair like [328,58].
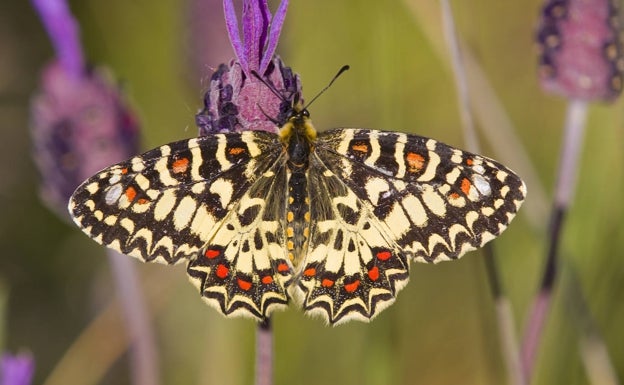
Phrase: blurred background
[55,283]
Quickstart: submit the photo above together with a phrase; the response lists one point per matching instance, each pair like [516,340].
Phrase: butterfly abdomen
[298,216]
[298,208]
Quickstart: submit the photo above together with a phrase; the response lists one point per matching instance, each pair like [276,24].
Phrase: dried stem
[594,354]
[564,191]
[264,353]
[503,309]
[138,325]
[463,97]
[87,359]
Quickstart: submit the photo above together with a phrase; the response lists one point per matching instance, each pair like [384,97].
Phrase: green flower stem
[564,191]
[264,353]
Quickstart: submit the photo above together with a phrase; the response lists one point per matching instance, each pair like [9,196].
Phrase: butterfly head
[298,123]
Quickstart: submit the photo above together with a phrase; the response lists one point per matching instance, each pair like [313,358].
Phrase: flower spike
[260,33]
[236,99]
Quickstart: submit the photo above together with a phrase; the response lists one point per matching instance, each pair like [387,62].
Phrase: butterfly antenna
[342,69]
[274,121]
[269,86]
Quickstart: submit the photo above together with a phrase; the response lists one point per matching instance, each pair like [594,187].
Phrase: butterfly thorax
[298,136]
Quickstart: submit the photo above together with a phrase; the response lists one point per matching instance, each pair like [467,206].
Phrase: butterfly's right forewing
[166,204]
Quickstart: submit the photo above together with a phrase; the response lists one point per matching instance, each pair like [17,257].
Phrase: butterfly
[330,219]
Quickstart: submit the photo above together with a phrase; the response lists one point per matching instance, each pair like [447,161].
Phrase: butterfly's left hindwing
[245,269]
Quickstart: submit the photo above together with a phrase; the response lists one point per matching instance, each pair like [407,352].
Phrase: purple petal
[231,23]
[276,29]
[255,24]
[234,105]
[581,54]
[16,370]
[64,33]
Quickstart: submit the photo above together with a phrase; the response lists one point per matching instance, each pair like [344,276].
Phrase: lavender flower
[236,100]
[581,55]
[16,370]
[79,121]
[79,126]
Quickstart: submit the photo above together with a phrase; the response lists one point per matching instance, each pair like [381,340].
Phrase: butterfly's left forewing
[435,201]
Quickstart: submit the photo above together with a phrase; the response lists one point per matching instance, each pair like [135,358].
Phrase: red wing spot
[351,287]
[384,255]
[222,271]
[130,193]
[267,279]
[309,272]
[360,147]
[415,161]
[236,150]
[454,195]
[142,201]
[212,253]
[327,282]
[245,285]
[180,166]
[373,273]
[283,267]
[469,162]
[124,170]
[465,186]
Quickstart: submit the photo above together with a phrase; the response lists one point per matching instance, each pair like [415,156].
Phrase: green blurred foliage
[442,329]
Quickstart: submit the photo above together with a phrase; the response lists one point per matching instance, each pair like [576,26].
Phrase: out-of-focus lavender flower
[236,100]
[79,126]
[581,55]
[79,119]
[16,370]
